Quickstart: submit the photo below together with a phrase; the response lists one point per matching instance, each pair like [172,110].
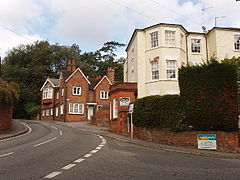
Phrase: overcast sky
[90,23]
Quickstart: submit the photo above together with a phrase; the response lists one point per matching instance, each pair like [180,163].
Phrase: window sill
[76,94]
[153,81]
[236,50]
[196,53]
[75,113]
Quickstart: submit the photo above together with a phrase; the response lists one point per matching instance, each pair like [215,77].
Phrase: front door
[90,111]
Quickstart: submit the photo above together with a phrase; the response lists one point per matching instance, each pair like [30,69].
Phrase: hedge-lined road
[53,151]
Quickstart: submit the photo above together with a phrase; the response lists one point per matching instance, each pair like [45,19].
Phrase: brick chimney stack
[111,74]
[71,65]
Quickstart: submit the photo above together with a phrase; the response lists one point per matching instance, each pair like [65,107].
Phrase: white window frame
[62,91]
[47,93]
[115,108]
[61,109]
[76,90]
[57,95]
[43,112]
[76,108]
[170,38]
[154,70]
[47,112]
[56,111]
[51,111]
[103,94]
[195,46]
[154,39]
[236,42]
[171,70]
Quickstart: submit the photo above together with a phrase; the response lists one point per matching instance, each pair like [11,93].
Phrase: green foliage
[32,109]
[159,112]
[210,94]
[9,93]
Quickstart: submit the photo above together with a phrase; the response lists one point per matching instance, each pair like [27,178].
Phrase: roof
[224,28]
[53,82]
[78,69]
[93,82]
[65,74]
[104,77]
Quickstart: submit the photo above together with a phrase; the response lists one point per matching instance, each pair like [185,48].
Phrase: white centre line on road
[87,155]
[93,151]
[52,175]
[79,160]
[99,147]
[54,127]
[7,154]
[69,166]
[60,133]
[36,145]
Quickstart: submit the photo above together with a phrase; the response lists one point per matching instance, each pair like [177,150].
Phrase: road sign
[131,106]
[207,141]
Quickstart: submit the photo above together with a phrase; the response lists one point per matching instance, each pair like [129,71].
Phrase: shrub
[9,93]
[159,112]
[210,94]
[32,109]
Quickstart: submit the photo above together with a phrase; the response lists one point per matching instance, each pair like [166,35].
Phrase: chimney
[111,74]
[71,65]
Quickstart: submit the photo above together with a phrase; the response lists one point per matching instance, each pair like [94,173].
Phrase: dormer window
[47,93]
[76,90]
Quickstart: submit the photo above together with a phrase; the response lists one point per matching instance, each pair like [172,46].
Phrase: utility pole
[203,13]
[217,17]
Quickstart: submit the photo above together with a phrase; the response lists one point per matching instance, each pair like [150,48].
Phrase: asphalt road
[53,151]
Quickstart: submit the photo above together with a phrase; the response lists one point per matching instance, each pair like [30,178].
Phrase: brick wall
[226,141]
[5,117]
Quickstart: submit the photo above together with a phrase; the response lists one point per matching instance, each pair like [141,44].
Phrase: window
[196,47]
[47,93]
[170,38]
[154,39]
[103,94]
[51,111]
[43,112]
[237,42]
[76,108]
[62,91]
[115,107]
[57,95]
[56,111]
[171,69]
[47,112]
[61,109]
[154,70]
[182,36]
[76,90]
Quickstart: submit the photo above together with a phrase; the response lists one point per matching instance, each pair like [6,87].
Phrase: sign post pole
[131,120]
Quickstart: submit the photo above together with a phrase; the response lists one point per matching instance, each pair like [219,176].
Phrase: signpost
[207,141]
[131,107]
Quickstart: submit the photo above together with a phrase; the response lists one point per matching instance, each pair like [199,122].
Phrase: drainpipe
[187,47]
[206,45]
[65,102]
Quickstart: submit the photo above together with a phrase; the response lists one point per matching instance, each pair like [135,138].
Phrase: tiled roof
[93,82]
[55,82]
[66,74]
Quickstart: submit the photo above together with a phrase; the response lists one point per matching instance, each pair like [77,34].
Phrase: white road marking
[93,151]
[29,131]
[99,147]
[87,155]
[79,160]
[52,175]
[7,154]
[60,133]
[36,145]
[69,166]
[54,127]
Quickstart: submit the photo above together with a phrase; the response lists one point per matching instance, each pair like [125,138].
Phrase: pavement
[19,128]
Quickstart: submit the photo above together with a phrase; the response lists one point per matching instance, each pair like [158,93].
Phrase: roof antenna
[203,17]
[217,17]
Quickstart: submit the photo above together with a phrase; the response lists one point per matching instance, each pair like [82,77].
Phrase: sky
[90,23]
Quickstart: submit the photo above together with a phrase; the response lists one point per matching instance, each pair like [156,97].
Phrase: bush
[9,93]
[32,109]
[210,94]
[159,112]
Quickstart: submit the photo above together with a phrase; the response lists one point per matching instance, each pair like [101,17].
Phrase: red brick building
[121,95]
[75,97]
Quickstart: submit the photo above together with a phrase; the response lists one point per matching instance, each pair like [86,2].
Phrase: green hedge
[159,112]
[210,94]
